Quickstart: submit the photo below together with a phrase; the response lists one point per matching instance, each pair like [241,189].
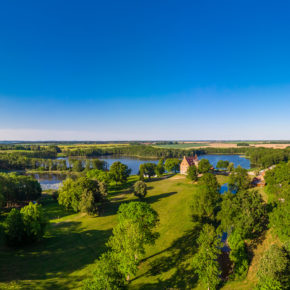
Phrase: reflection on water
[53,181]
[49,180]
[225,188]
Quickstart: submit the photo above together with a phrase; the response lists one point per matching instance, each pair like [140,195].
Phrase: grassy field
[182,145]
[73,241]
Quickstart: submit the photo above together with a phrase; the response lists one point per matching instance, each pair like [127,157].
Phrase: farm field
[73,241]
[224,144]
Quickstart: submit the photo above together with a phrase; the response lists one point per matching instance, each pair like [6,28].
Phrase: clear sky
[135,70]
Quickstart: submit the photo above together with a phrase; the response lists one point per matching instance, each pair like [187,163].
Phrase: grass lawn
[73,241]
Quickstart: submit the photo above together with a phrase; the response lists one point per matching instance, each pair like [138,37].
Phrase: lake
[53,181]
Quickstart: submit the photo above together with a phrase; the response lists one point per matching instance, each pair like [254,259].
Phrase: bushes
[26,225]
[274,269]
[140,189]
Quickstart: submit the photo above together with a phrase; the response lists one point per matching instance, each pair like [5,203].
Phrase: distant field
[75,146]
[182,145]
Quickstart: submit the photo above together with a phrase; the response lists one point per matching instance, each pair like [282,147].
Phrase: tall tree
[106,275]
[205,260]
[136,222]
[159,170]
[192,173]
[239,179]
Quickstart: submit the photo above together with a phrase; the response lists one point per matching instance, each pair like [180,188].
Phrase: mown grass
[65,257]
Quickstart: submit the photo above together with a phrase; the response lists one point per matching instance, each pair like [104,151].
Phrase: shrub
[140,189]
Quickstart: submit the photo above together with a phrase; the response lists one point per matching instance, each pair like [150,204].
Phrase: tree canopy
[119,172]
[204,166]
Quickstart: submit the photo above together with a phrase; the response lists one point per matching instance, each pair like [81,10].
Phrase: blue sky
[137,70]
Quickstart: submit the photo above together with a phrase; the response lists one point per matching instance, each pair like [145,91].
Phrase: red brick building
[186,162]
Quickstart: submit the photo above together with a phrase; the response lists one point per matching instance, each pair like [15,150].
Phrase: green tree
[204,204]
[274,266]
[192,173]
[244,212]
[88,165]
[77,166]
[26,225]
[34,221]
[172,164]
[147,169]
[100,175]
[99,164]
[106,275]
[210,181]
[14,233]
[159,170]
[204,166]
[280,222]
[238,255]
[136,222]
[83,194]
[140,189]
[231,167]
[239,179]
[119,172]
[278,181]
[205,260]
[222,164]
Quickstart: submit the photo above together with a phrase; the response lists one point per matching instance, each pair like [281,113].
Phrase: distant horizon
[144,140]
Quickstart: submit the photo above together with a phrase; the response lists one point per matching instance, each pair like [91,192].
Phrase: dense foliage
[205,203]
[192,173]
[205,260]
[147,169]
[243,212]
[26,225]
[239,180]
[274,269]
[119,172]
[18,188]
[140,189]
[135,230]
[83,194]
[172,164]
[204,166]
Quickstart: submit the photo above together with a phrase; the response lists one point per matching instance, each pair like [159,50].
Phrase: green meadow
[65,257]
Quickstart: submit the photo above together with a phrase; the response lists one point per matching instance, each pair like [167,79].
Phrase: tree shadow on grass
[176,257]
[65,249]
[111,208]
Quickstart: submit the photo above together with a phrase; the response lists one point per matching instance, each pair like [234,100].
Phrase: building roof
[191,159]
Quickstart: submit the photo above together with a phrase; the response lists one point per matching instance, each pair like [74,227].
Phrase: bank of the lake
[52,180]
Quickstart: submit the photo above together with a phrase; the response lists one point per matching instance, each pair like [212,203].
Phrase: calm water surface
[53,181]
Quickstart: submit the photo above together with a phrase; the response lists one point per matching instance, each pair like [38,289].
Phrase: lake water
[53,181]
